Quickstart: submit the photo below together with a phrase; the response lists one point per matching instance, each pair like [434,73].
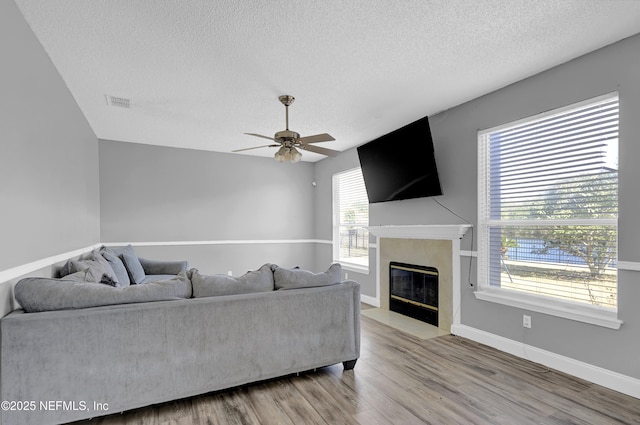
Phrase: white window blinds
[351,219]
[548,204]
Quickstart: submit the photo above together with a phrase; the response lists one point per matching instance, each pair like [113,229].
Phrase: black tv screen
[401,164]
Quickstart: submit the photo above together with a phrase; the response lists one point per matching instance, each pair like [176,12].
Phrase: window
[548,207]
[350,220]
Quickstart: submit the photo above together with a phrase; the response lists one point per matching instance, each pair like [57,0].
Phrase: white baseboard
[607,378]
[370,300]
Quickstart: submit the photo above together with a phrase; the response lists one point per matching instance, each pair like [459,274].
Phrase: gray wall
[614,68]
[160,194]
[48,154]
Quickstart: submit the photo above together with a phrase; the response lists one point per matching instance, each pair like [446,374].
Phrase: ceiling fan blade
[255,147]
[318,149]
[264,137]
[316,138]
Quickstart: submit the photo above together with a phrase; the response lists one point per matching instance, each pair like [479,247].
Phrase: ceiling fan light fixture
[295,155]
[281,155]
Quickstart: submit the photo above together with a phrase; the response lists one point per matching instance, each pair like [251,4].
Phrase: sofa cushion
[117,265]
[87,275]
[65,269]
[94,272]
[298,278]
[260,280]
[131,263]
[101,270]
[109,275]
[37,294]
[166,267]
[157,277]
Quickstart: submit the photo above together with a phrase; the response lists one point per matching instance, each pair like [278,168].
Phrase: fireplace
[413,291]
[436,245]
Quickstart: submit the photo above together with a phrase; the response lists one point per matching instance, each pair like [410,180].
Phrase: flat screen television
[401,164]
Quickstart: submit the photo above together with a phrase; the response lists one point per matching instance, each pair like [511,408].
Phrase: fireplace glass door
[413,291]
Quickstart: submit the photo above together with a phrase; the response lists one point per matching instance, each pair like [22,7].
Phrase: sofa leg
[350,364]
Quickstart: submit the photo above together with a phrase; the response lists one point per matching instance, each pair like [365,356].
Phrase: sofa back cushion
[100,271]
[131,262]
[37,294]
[298,278]
[260,280]
[117,265]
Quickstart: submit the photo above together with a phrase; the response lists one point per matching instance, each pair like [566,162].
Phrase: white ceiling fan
[290,140]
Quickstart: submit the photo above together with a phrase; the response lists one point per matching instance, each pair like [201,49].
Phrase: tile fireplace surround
[426,245]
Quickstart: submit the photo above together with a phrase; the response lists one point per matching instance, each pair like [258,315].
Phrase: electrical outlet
[526,321]
[346,275]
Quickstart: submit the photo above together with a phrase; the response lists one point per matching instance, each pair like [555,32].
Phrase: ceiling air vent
[120,102]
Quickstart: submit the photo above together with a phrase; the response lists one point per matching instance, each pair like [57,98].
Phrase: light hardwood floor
[401,379]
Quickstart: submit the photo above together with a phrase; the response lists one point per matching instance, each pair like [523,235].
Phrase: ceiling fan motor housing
[286,135]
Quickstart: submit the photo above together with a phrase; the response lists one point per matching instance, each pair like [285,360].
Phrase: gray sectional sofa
[188,334]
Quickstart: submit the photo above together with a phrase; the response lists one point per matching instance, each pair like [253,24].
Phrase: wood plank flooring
[400,379]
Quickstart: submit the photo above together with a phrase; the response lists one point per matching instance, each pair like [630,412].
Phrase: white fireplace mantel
[452,232]
[421,231]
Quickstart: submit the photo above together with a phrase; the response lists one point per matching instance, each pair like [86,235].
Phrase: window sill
[357,268]
[585,314]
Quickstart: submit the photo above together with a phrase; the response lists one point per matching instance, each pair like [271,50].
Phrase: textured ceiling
[200,73]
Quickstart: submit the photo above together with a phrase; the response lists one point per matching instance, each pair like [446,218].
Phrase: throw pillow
[87,275]
[105,266]
[298,278]
[260,280]
[101,271]
[117,266]
[94,272]
[65,269]
[132,263]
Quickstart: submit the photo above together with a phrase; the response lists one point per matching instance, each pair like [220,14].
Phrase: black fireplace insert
[413,291]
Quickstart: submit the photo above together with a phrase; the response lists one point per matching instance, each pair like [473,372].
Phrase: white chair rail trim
[15,272]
